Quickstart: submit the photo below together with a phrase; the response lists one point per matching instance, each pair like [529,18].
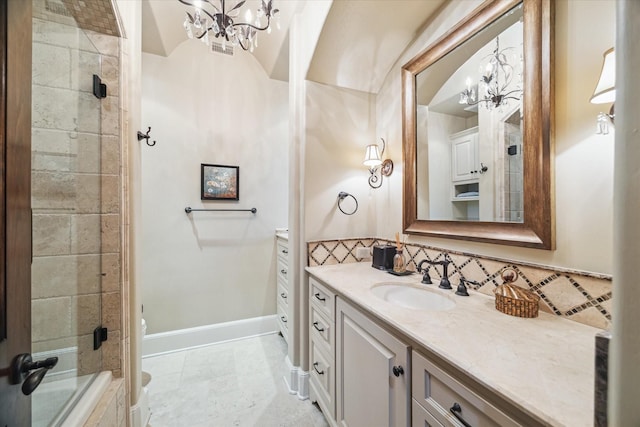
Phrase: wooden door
[15,204]
[373,374]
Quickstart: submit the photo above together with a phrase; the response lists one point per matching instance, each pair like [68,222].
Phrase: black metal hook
[484,168]
[146,136]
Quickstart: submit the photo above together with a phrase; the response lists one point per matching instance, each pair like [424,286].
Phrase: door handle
[21,367]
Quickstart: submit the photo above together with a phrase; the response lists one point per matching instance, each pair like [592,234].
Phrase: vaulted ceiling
[360,40]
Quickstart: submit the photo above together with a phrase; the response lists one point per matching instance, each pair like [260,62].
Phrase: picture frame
[219,182]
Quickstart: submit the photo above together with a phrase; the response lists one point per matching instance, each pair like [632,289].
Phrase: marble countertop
[283,233]
[544,365]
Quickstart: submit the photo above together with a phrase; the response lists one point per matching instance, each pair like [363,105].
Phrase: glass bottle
[399,262]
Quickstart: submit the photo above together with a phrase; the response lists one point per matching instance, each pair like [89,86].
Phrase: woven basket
[514,300]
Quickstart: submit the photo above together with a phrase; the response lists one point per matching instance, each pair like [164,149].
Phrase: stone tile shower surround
[76,189]
[579,296]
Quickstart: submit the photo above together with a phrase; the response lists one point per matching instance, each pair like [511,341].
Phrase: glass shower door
[67,206]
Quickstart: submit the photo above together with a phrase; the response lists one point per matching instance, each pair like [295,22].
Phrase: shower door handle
[20,369]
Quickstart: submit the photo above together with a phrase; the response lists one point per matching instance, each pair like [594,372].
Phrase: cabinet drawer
[283,318]
[323,375]
[283,268]
[420,417]
[322,330]
[322,298]
[283,295]
[282,248]
[438,392]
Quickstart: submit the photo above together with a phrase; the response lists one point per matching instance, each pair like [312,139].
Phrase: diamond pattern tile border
[561,290]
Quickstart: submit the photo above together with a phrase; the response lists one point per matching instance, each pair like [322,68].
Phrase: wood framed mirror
[481,199]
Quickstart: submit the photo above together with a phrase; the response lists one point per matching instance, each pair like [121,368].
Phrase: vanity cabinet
[322,379]
[440,400]
[282,286]
[373,373]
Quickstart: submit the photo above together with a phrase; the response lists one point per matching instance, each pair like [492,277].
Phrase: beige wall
[340,123]
[207,268]
[583,163]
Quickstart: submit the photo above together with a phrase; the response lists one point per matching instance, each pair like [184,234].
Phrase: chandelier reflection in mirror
[211,19]
[495,83]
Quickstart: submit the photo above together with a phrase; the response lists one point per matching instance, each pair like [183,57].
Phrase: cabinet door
[373,374]
[464,157]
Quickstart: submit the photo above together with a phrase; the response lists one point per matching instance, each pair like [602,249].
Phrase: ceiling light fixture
[494,83]
[209,19]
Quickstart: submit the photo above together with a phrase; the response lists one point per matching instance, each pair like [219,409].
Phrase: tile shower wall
[76,187]
[578,296]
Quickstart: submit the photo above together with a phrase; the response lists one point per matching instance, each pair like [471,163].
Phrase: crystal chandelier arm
[244,24]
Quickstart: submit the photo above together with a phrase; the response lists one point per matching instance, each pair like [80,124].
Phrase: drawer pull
[316,369]
[315,325]
[397,370]
[317,295]
[284,251]
[284,319]
[456,410]
[283,271]
[283,295]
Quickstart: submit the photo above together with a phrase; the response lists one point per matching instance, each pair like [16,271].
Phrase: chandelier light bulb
[224,20]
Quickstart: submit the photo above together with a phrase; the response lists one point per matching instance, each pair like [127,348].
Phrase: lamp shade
[606,88]
[372,156]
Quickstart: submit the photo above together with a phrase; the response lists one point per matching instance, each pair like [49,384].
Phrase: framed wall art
[219,182]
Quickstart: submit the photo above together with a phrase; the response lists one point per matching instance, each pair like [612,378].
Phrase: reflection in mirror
[469,128]
[477,128]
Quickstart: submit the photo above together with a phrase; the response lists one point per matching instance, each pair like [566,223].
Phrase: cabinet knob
[317,295]
[284,319]
[284,251]
[398,370]
[283,271]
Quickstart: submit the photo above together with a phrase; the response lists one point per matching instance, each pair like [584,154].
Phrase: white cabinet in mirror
[468,115]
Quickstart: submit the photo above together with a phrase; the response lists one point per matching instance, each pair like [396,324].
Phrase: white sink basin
[407,296]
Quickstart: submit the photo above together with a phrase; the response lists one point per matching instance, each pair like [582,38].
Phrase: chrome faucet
[426,279]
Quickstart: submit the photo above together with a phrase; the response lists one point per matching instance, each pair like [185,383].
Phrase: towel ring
[341,196]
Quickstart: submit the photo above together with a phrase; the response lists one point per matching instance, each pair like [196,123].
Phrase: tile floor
[238,383]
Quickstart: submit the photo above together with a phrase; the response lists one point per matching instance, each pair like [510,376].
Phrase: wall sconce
[377,167]
[606,91]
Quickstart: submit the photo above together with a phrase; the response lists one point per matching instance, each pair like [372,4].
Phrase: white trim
[291,376]
[303,384]
[168,342]
[140,412]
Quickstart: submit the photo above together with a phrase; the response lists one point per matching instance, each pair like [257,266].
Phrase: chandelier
[494,83]
[215,20]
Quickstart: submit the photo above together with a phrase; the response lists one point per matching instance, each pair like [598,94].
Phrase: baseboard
[291,376]
[141,412]
[303,385]
[168,342]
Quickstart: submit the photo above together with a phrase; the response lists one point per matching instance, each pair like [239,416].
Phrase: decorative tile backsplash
[578,296]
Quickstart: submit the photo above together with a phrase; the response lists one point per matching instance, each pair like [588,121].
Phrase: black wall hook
[146,136]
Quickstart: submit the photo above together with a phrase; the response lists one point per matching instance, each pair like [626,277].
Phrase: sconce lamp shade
[606,88]
[372,156]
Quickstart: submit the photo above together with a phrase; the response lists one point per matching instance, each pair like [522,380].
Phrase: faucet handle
[462,288]
[426,279]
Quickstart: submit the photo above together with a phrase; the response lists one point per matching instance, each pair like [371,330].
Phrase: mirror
[477,129]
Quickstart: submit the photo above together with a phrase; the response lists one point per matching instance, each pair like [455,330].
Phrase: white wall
[340,123]
[207,268]
[583,163]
